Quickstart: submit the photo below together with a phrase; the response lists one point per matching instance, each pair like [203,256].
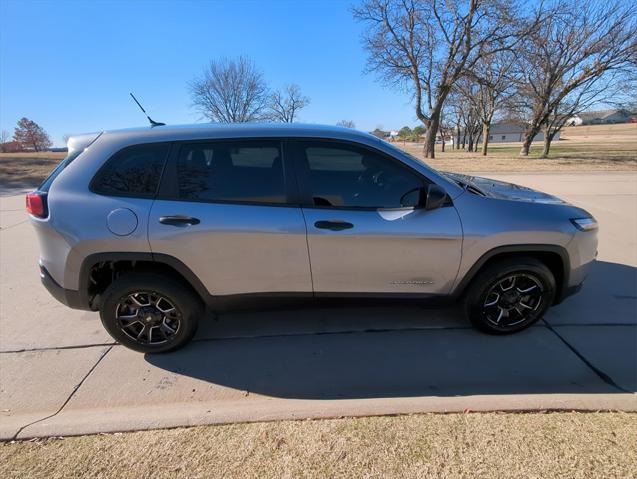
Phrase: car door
[224,211]
[365,234]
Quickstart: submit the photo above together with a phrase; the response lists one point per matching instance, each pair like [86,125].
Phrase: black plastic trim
[68,297]
[279,300]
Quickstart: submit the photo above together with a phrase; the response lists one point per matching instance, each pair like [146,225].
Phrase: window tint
[246,171]
[133,171]
[349,176]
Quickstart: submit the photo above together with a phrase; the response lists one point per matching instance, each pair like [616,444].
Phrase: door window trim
[305,192]
[169,186]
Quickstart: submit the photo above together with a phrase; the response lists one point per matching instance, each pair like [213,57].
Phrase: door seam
[307,246]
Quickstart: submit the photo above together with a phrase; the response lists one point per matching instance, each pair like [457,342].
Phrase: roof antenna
[153,123]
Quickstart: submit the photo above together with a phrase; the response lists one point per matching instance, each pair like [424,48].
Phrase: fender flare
[93,259]
[517,249]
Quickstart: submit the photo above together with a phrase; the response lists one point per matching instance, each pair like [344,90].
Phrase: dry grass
[582,148]
[26,170]
[573,445]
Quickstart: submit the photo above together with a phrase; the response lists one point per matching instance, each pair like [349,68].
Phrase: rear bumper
[68,297]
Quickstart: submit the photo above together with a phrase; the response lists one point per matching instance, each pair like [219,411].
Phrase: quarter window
[237,171]
[341,175]
[134,171]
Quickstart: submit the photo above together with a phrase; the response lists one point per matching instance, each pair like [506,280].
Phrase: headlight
[585,224]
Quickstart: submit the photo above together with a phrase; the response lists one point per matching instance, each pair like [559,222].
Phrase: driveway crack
[601,374]
[75,389]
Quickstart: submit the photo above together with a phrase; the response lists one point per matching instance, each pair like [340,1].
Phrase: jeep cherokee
[151,226]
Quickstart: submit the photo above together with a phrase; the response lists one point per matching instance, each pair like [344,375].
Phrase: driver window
[347,176]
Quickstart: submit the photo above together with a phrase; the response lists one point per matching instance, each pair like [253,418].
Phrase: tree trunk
[548,138]
[457,142]
[486,127]
[430,135]
[529,134]
[430,142]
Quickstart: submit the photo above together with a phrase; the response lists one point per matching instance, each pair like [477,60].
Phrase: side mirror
[432,197]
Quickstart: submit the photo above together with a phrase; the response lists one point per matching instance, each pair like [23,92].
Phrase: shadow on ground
[278,355]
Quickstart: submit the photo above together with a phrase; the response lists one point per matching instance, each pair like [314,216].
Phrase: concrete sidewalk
[60,373]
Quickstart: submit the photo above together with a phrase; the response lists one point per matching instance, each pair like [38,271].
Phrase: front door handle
[179,220]
[337,225]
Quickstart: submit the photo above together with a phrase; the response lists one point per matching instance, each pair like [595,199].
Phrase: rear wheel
[150,313]
[510,295]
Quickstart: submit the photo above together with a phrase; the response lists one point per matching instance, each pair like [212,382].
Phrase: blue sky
[70,65]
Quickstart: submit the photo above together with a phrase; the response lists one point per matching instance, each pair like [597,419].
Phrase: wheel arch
[93,277]
[555,257]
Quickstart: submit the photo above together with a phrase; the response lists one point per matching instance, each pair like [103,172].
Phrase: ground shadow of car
[276,358]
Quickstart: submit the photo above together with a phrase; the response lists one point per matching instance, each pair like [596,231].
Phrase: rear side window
[133,171]
[249,171]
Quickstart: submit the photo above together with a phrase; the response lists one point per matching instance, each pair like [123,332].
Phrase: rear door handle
[179,220]
[333,225]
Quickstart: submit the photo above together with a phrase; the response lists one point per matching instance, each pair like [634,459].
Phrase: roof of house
[601,114]
[506,127]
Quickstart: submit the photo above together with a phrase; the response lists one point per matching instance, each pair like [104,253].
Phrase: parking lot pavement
[61,374]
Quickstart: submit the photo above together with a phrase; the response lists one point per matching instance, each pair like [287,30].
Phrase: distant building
[601,117]
[11,147]
[507,132]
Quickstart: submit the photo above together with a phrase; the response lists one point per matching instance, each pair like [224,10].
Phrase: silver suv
[151,226]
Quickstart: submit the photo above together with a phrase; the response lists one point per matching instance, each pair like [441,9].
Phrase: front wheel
[510,295]
[150,313]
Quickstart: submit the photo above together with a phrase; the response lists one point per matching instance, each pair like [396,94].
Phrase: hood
[502,190]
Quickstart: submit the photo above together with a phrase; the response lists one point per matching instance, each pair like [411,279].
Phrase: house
[601,117]
[509,132]
[10,147]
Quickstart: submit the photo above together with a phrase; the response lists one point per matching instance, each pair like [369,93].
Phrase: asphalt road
[60,373]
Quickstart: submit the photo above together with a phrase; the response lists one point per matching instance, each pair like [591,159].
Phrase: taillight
[36,204]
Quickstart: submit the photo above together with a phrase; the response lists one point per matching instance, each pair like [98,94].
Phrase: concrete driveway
[60,373]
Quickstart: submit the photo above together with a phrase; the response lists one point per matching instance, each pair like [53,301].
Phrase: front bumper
[68,297]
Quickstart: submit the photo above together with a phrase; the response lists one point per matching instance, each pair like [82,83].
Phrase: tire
[136,312]
[535,290]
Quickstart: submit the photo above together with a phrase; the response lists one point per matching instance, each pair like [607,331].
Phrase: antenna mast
[153,123]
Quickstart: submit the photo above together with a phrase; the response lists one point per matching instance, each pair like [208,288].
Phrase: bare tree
[607,90]
[578,44]
[427,45]
[65,138]
[230,91]
[29,134]
[285,105]
[492,76]
[346,124]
